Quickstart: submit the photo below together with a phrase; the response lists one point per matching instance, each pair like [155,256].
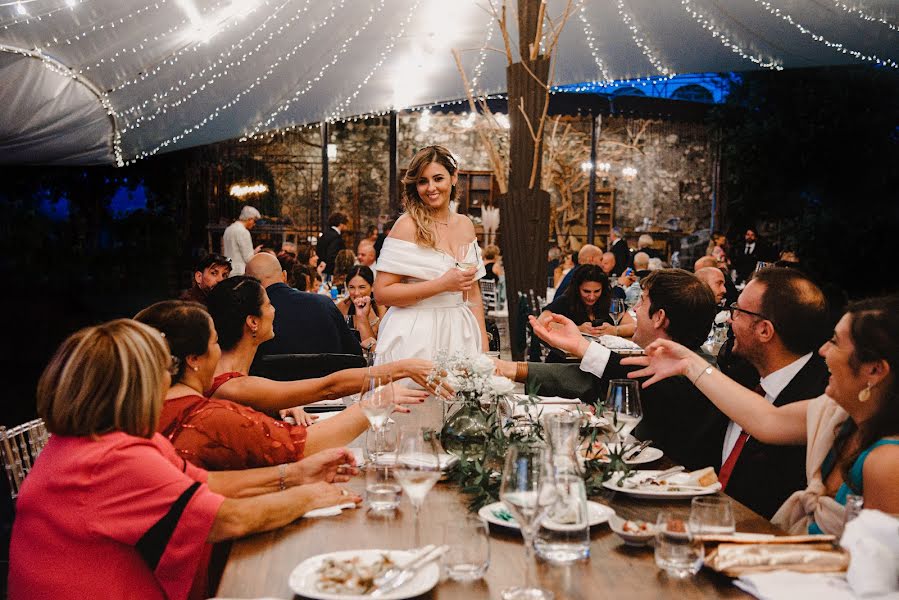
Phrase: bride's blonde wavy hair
[417,210]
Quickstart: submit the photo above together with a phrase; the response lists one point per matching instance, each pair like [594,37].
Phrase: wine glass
[528,490]
[616,310]
[622,407]
[417,468]
[465,261]
[376,399]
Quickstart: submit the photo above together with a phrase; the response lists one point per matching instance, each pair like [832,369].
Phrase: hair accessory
[865,394]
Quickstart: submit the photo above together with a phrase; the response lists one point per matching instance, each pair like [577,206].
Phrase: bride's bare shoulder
[403,229]
[463,224]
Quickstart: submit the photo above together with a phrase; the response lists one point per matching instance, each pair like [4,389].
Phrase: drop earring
[865,394]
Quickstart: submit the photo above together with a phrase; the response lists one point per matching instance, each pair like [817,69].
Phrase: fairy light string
[706,23]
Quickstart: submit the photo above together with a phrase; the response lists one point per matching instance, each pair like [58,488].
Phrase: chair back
[290,367]
[19,447]
[488,293]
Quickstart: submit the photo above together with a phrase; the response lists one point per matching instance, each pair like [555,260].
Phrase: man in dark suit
[330,242]
[778,323]
[749,253]
[673,305]
[618,246]
[304,323]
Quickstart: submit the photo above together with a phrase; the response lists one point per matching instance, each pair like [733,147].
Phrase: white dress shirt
[773,384]
[750,248]
[237,244]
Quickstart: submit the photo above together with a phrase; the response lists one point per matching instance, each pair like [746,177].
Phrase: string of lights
[208,76]
[84,33]
[591,44]
[23,16]
[707,24]
[216,112]
[629,22]
[888,62]
[863,15]
[482,58]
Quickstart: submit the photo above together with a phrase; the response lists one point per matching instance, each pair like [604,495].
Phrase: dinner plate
[495,514]
[304,576]
[660,492]
[648,455]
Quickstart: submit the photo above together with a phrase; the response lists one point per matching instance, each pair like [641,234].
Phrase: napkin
[872,540]
[789,585]
[613,342]
[330,511]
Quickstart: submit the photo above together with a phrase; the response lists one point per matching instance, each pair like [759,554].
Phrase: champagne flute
[528,490]
[464,262]
[622,407]
[417,468]
[616,310]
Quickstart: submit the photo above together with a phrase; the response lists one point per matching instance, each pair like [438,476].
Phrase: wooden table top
[258,566]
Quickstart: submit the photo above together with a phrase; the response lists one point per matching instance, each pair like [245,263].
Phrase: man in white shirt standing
[237,243]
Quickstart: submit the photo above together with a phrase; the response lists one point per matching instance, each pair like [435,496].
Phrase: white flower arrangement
[471,377]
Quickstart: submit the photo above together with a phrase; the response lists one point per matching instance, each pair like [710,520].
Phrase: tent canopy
[112,81]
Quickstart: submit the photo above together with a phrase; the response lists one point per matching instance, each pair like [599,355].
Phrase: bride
[419,275]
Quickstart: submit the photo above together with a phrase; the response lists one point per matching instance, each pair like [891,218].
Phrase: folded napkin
[330,511]
[872,540]
[738,560]
[789,585]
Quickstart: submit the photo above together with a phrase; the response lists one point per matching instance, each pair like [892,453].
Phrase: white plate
[598,513]
[303,578]
[646,456]
[659,492]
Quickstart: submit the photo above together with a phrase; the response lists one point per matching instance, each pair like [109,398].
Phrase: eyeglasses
[174,366]
[734,307]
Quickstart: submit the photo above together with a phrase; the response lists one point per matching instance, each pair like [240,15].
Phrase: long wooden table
[259,566]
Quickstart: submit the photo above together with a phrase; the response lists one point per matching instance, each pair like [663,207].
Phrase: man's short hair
[688,303]
[248,212]
[796,306]
[641,261]
[213,259]
[336,219]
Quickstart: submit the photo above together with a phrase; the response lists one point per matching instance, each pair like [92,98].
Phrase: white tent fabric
[100,81]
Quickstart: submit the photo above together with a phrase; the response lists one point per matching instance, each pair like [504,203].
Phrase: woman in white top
[418,273]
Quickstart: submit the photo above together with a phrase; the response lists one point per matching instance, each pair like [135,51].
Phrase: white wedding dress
[441,322]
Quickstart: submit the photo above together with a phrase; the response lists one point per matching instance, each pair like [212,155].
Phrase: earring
[195,368]
[254,332]
[865,394]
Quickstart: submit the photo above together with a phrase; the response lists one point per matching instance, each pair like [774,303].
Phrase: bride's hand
[455,280]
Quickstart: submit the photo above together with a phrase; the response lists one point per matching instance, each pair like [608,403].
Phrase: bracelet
[521,372]
[282,471]
[375,322]
[707,371]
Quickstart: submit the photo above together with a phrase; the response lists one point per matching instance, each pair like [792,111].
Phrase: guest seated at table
[243,317]
[110,510]
[360,303]
[211,270]
[343,262]
[565,265]
[674,305]
[586,302]
[587,255]
[218,434]
[852,430]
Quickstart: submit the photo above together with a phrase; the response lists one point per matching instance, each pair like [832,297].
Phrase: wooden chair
[19,447]
[488,293]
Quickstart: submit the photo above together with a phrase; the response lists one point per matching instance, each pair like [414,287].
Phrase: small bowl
[631,538]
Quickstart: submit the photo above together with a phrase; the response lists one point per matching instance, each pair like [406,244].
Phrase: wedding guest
[330,242]
[343,262]
[717,249]
[641,264]
[493,262]
[618,246]
[211,270]
[645,244]
[714,278]
[565,265]
[360,304]
[237,243]
[109,509]
[586,302]
[366,255]
[218,434]
[754,250]
[852,429]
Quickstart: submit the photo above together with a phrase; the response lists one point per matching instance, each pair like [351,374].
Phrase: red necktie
[729,464]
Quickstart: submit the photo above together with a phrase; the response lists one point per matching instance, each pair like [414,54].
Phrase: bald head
[589,255]
[714,278]
[266,268]
[703,262]
[641,261]
[607,263]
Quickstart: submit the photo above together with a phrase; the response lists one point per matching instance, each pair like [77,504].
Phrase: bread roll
[703,477]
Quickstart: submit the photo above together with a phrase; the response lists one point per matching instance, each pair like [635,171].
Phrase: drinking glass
[417,468]
[376,399]
[380,445]
[468,555]
[616,310]
[465,261]
[527,489]
[563,536]
[677,552]
[761,265]
[712,515]
[382,492]
[622,407]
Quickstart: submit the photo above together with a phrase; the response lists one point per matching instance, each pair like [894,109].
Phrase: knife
[408,572]
[393,572]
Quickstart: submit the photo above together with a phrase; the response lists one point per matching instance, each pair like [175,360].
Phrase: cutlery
[636,451]
[662,475]
[409,571]
[393,572]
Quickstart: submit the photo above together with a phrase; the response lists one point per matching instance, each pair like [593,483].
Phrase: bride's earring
[865,394]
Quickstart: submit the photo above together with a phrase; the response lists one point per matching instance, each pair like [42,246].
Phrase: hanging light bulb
[20,8]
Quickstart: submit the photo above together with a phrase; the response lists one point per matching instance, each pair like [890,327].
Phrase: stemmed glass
[376,399]
[528,490]
[616,310]
[464,262]
[622,406]
[417,468]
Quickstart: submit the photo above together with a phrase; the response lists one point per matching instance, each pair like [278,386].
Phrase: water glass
[382,492]
[469,549]
[564,533]
[712,515]
[380,446]
[677,552]
[622,407]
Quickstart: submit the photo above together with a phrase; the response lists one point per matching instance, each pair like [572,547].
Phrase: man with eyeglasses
[778,322]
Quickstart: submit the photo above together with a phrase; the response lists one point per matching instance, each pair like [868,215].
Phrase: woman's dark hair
[185,325]
[582,274]
[300,277]
[368,275]
[304,253]
[874,327]
[234,300]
